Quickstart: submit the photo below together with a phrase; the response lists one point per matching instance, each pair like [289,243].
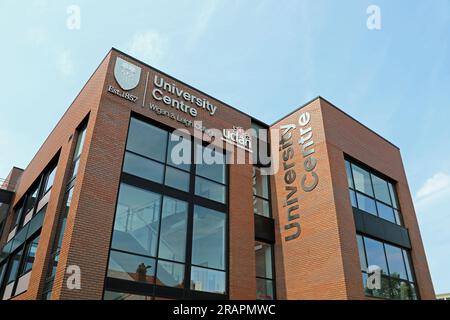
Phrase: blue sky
[263,57]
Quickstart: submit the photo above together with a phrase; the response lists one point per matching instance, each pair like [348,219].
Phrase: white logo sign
[238,137]
[127,75]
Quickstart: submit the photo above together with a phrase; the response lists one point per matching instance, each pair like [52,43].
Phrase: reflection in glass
[207,280]
[381,189]
[375,254]
[264,289]
[131,267]
[177,179]
[172,242]
[362,180]
[137,221]
[208,243]
[144,168]
[210,190]
[366,204]
[170,274]
[147,140]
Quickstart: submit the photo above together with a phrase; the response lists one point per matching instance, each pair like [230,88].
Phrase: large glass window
[371,193]
[264,272]
[160,227]
[396,279]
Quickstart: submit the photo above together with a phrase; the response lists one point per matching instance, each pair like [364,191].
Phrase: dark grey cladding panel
[264,229]
[6,196]
[375,227]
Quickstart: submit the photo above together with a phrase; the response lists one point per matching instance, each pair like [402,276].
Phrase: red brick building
[106,211]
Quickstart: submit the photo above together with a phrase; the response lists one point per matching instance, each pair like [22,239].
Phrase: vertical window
[62,218]
[372,194]
[30,255]
[261,194]
[14,266]
[264,271]
[78,150]
[49,179]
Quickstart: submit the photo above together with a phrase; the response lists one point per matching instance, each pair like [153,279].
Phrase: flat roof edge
[340,110]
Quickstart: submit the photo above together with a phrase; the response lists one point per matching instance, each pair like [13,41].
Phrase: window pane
[172,242]
[50,180]
[408,265]
[362,180]
[212,165]
[375,254]
[207,280]
[144,168]
[381,189]
[348,170]
[180,152]
[263,255]
[361,251]
[170,274]
[393,195]
[76,165]
[353,199]
[385,212]
[366,204]
[208,243]
[111,295]
[147,140]
[261,207]
[80,142]
[131,267]
[264,289]
[137,221]
[210,190]
[31,254]
[14,269]
[260,184]
[395,262]
[31,201]
[177,179]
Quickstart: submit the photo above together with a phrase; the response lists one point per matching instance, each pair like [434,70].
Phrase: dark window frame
[192,200]
[388,276]
[273,279]
[381,176]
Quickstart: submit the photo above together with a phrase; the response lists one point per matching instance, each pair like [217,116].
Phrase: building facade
[126,199]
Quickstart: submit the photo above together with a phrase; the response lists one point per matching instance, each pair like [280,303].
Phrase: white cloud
[65,62]
[433,188]
[149,46]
